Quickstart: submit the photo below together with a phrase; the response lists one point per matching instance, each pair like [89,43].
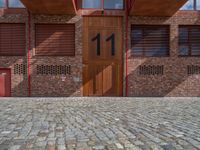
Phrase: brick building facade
[57,75]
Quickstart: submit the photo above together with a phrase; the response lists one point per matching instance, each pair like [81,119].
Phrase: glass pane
[183,35]
[91,3]
[137,51]
[136,36]
[15,4]
[195,46]
[2,3]
[198,4]
[189,5]
[156,51]
[184,50]
[113,4]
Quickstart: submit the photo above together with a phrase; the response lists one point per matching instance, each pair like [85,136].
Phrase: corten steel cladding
[5,82]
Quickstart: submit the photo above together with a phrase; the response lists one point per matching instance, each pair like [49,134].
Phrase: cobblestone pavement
[100,123]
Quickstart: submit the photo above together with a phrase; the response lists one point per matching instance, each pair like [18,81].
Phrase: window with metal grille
[19,69]
[193,69]
[149,40]
[151,70]
[53,69]
[12,39]
[189,40]
[55,40]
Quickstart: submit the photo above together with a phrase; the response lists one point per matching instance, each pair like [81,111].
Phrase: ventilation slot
[53,70]
[19,69]
[193,69]
[151,70]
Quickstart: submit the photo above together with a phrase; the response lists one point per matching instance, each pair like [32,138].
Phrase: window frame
[150,26]
[102,7]
[7,6]
[189,27]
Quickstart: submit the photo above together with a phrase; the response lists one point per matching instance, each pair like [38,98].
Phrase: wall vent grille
[193,69]
[151,70]
[19,69]
[53,69]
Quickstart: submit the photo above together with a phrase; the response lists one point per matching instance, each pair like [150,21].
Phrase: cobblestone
[100,123]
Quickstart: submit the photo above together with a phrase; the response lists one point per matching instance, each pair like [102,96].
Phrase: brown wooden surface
[156,7]
[55,39]
[12,39]
[5,82]
[50,6]
[102,74]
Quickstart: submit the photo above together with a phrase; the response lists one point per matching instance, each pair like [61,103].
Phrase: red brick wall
[19,82]
[50,85]
[47,85]
[175,81]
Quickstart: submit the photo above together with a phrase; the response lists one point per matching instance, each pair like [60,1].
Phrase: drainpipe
[128,9]
[127,13]
[28,54]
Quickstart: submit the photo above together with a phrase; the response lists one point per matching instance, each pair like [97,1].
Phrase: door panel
[95,45]
[110,80]
[5,82]
[102,56]
[112,45]
[95,80]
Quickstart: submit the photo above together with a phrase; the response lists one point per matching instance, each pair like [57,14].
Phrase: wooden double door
[102,56]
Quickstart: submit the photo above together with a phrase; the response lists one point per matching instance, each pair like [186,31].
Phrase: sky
[12,3]
[189,5]
[15,3]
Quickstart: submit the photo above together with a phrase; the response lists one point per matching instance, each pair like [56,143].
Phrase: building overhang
[59,7]
[156,7]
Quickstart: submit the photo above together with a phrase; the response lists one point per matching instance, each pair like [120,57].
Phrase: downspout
[28,54]
[75,4]
[127,13]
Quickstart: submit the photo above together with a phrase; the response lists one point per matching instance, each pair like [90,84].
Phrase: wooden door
[102,56]
[5,82]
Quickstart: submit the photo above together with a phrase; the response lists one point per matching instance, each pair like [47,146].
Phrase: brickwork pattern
[175,81]
[69,85]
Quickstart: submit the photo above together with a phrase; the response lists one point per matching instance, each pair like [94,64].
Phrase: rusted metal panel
[12,39]
[156,7]
[150,40]
[50,6]
[55,40]
[5,82]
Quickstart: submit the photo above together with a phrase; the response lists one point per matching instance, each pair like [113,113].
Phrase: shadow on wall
[51,84]
[174,82]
